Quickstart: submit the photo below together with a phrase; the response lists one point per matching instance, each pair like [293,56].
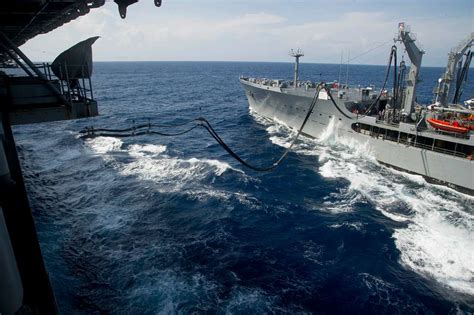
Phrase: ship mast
[415,54]
[456,55]
[297,54]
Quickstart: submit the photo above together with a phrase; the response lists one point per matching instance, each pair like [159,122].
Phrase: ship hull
[291,108]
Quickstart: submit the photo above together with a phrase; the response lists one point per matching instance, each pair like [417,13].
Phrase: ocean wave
[356,226]
[149,224]
[102,145]
[249,300]
[150,162]
[436,242]
[385,297]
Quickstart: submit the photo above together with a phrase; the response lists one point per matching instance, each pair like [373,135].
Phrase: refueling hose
[143,129]
[393,56]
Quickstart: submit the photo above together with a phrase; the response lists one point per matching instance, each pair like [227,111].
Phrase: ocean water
[149,224]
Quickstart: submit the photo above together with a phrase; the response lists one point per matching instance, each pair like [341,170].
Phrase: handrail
[432,148]
[413,143]
[79,90]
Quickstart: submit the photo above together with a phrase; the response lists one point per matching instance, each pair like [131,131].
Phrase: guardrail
[432,148]
[74,89]
[413,143]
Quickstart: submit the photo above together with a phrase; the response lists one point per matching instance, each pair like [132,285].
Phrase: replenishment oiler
[435,141]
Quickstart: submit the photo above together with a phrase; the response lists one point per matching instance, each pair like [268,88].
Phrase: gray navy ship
[435,141]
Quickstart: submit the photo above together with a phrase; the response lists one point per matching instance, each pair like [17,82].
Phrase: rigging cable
[393,54]
[328,90]
[395,83]
[400,83]
[368,51]
[462,78]
[201,121]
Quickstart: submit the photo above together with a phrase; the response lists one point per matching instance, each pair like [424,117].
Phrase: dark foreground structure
[41,93]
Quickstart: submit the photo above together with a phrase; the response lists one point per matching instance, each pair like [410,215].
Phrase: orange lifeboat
[447,126]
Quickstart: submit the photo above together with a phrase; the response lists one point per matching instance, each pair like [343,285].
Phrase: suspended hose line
[90,131]
[138,131]
[370,50]
[393,56]
[144,129]
[462,77]
[328,91]
[398,93]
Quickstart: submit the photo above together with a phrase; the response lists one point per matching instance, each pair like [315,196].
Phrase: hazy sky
[262,30]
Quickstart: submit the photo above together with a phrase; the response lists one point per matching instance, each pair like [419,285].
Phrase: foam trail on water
[221,167]
[172,173]
[151,163]
[436,242]
[102,145]
[148,149]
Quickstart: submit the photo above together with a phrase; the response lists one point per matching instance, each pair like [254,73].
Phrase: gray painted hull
[291,108]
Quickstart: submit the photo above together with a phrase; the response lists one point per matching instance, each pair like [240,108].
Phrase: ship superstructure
[435,141]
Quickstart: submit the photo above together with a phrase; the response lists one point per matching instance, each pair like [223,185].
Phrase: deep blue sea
[149,224]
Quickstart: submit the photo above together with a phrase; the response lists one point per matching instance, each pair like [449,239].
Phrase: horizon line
[257,61]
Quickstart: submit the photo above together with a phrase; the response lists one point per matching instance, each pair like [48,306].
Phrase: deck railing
[74,89]
[412,143]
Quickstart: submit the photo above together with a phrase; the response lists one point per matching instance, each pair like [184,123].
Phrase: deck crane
[415,54]
[455,57]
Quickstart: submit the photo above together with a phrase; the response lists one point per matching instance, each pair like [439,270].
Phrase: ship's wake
[151,162]
[190,180]
[436,237]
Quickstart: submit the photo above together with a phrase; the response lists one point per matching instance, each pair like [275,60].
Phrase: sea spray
[436,243]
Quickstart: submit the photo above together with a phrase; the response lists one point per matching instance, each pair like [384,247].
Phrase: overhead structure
[455,57]
[25,19]
[36,96]
[123,4]
[76,62]
[415,54]
[22,20]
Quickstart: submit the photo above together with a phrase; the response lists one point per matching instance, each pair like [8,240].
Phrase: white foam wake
[102,145]
[437,241]
[150,162]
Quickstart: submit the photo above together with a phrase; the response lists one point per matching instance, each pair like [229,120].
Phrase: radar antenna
[297,54]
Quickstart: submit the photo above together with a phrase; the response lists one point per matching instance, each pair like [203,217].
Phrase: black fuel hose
[393,56]
[202,122]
